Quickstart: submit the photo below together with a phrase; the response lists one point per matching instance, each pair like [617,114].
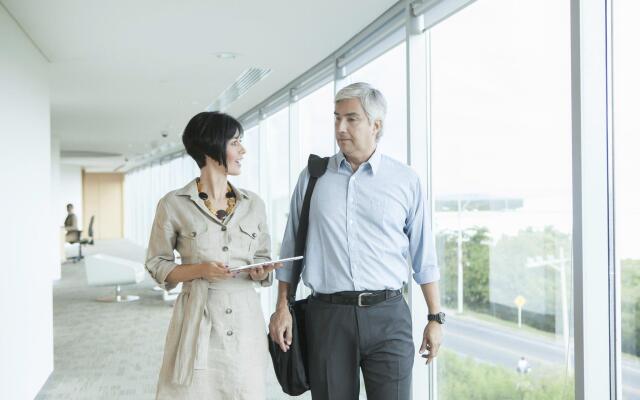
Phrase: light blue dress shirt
[366,229]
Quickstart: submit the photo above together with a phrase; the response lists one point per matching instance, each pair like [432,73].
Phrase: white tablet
[284,260]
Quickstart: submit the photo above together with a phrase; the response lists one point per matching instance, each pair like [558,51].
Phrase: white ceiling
[124,71]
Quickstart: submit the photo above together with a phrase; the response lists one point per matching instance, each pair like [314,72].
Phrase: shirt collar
[239,192]
[374,160]
[340,159]
[191,190]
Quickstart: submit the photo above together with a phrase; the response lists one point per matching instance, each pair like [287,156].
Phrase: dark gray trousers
[341,339]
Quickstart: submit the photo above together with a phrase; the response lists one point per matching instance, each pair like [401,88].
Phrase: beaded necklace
[231,201]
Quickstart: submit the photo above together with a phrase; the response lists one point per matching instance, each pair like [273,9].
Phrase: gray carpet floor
[110,350]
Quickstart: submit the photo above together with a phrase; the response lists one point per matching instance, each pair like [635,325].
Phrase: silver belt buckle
[360,299]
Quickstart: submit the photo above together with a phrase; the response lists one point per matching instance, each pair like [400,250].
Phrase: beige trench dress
[216,346]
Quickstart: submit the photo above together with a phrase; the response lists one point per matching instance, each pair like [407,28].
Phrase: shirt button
[229,333]
[228,311]
[224,228]
[225,248]
[193,234]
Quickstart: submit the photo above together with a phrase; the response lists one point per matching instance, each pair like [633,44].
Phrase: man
[71,225]
[523,366]
[367,217]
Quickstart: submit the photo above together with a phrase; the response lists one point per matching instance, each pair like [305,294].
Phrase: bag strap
[317,166]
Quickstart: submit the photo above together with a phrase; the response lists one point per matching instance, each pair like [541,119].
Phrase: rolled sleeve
[160,260]
[427,275]
[424,261]
[285,274]
[288,249]
[263,253]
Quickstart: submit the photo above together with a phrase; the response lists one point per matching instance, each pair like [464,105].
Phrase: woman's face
[235,153]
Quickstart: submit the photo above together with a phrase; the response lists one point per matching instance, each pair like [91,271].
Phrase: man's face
[69,209]
[355,134]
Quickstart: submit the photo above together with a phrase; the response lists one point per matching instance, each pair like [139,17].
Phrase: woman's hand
[261,273]
[215,271]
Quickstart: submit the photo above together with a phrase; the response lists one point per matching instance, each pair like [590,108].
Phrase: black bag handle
[317,167]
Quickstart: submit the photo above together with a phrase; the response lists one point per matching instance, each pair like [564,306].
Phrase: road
[500,345]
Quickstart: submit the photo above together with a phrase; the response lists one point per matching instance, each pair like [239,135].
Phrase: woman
[216,346]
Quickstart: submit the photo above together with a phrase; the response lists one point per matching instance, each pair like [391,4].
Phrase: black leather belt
[360,299]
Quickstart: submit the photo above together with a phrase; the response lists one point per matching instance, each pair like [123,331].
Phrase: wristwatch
[439,317]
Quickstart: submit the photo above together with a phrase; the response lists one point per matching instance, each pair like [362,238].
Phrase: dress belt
[237,284]
[358,298]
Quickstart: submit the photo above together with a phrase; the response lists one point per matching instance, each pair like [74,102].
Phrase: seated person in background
[71,225]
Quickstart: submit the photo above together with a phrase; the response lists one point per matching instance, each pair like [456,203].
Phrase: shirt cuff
[284,275]
[161,275]
[268,281]
[427,275]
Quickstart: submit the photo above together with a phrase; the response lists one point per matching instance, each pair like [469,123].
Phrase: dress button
[254,235]
[225,248]
[228,311]
[224,228]
[229,333]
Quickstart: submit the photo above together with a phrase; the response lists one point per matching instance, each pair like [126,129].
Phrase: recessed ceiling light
[225,55]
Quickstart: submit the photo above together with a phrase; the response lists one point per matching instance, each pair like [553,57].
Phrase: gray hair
[372,100]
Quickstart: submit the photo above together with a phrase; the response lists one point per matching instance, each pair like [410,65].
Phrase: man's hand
[261,273]
[215,271]
[431,340]
[280,327]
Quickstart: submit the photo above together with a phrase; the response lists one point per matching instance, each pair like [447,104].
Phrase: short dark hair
[208,133]
[69,205]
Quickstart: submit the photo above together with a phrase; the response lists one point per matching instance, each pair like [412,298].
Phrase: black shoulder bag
[291,368]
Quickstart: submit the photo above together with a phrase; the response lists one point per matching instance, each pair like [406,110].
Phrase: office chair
[78,239]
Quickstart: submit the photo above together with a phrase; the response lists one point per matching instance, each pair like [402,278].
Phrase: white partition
[28,235]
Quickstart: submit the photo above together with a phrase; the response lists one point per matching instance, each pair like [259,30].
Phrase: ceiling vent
[245,81]
[86,154]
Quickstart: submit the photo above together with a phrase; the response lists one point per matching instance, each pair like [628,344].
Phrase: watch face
[441,317]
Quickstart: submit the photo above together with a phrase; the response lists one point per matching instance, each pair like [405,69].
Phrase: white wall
[70,192]
[55,196]
[29,244]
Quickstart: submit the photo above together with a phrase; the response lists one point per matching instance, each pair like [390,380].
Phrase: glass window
[190,169]
[626,125]
[276,139]
[315,123]
[144,187]
[388,74]
[500,103]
